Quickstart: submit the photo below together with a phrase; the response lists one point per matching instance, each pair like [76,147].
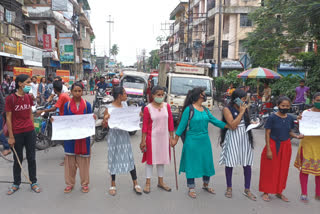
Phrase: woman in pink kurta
[157,132]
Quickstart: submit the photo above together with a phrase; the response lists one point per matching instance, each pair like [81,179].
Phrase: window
[27,29]
[226,24]
[242,49]
[225,46]
[1,13]
[211,4]
[10,16]
[245,21]
[310,47]
[262,3]
[181,85]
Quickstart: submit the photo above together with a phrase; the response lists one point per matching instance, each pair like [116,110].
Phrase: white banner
[127,119]
[309,125]
[73,127]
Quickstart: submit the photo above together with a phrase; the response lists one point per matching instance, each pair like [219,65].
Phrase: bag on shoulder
[191,113]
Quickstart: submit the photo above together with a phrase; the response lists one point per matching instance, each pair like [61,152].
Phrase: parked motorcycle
[102,131]
[100,94]
[44,128]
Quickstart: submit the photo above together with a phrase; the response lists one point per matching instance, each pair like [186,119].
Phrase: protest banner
[309,125]
[127,119]
[38,72]
[73,127]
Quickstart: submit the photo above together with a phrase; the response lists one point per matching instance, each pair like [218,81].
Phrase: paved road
[53,200]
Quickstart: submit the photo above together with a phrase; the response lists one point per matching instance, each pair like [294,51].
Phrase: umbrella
[259,73]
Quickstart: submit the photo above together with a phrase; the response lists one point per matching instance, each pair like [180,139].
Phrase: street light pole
[110,23]
[219,39]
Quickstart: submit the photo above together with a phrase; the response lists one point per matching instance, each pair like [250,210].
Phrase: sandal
[164,187]
[266,197]
[250,195]
[304,199]
[68,189]
[147,189]
[113,191]
[13,189]
[85,189]
[282,197]
[35,188]
[228,193]
[192,193]
[6,152]
[137,189]
[209,190]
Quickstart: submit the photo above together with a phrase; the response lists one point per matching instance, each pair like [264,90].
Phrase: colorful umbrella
[259,73]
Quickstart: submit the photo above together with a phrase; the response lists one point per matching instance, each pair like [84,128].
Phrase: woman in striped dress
[237,144]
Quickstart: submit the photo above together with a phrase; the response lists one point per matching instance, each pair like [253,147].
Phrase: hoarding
[47,45]
[18,70]
[66,48]
[64,74]
[189,70]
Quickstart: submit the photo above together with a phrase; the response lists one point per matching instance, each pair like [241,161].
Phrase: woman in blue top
[196,158]
[275,157]
[77,152]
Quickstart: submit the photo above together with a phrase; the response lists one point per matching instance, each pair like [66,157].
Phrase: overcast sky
[137,24]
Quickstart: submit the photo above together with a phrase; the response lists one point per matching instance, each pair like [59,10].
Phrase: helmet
[115,81]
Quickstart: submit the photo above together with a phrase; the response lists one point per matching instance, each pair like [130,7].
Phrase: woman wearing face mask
[237,144]
[21,131]
[120,156]
[196,158]
[275,157]
[157,132]
[308,157]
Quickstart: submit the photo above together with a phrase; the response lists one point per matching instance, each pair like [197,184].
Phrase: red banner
[64,74]
[17,71]
[47,42]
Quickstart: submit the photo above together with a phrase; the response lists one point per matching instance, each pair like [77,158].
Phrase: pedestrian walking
[21,131]
[34,87]
[196,158]
[92,84]
[276,155]
[266,96]
[42,89]
[120,155]
[237,143]
[5,85]
[302,93]
[157,132]
[77,152]
[308,157]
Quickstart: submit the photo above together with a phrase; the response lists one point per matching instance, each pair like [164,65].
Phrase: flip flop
[113,189]
[85,189]
[209,190]
[266,197]
[165,188]
[13,189]
[35,188]
[282,197]
[252,196]
[68,189]
[136,191]
[192,193]
[228,193]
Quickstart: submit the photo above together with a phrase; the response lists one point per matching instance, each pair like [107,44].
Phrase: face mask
[26,89]
[317,105]
[204,97]
[283,110]
[159,99]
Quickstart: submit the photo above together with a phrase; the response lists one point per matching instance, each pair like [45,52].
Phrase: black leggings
[132,172]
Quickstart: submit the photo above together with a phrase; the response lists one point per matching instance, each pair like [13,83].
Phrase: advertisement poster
[39,73]
[18,70]
[66,48]
[47,42]
[64,74]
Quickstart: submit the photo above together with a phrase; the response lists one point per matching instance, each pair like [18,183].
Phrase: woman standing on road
[77,152]
[196,158]
[237,144]
[42,89]
[21,131]
[276,155]
[120,155]
[308,157]
[91,83]
[157,132]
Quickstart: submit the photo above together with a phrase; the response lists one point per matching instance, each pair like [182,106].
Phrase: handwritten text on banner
[309,125]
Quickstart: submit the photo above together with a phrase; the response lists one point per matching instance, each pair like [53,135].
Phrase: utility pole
[110,23]
[219,39]
[188,33]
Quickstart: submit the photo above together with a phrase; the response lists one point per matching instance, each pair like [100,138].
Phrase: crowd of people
[158,135]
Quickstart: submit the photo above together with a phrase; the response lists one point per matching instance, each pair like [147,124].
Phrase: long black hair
[20,78]
[192,97]
[76,84]
[157,88]
[117,91]
[238,93]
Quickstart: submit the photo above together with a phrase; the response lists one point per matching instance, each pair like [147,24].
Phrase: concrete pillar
[232,36]
[51,29]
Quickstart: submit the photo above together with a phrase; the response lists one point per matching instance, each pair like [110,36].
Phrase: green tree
[114,50]
[154,59]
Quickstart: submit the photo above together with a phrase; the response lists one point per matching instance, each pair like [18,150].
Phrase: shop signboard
[72,79]
[64,74]
[47,42]
[31,55]
[66,48]
[18,70]
[8,46]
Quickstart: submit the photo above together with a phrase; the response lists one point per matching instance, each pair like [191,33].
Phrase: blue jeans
[191,184]
[3,138]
